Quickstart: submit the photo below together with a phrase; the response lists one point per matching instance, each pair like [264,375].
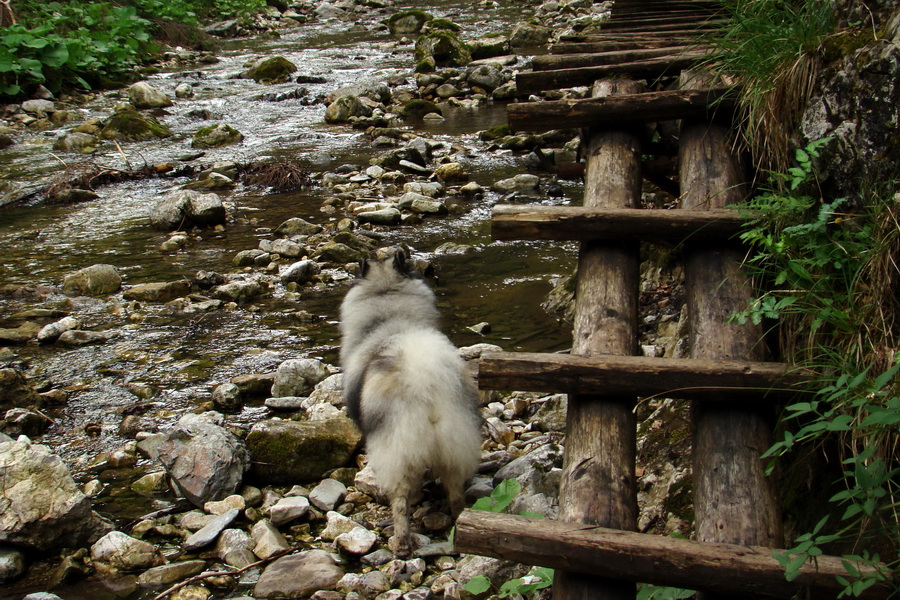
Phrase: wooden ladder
[593,545]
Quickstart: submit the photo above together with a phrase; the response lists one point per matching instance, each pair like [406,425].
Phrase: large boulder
[529,35]
[301,451]
[204,460]
[16,391]
[41,507]
[144,95]
[96,280]
[345,107]
[125,553]
[275,69]
[187,207]
[408,21]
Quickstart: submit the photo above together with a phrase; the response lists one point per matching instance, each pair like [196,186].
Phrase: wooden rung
[532,222]
[616,44]
[638,376]
[697,26]
[726,569]
[616,110]
[549,62]
[530,82]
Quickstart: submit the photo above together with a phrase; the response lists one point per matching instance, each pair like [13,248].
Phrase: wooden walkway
[643,69]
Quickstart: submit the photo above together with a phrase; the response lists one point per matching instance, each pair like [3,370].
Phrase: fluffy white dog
[407,389]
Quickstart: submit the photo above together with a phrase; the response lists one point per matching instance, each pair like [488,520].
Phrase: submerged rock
[131,126]
[187,207]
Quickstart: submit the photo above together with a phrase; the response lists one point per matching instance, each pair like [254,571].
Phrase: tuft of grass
[775,50]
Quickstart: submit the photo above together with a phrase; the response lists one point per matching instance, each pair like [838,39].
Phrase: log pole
[734,502]
[598,484]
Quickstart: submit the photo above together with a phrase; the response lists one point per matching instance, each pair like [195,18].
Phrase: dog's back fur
[407,389]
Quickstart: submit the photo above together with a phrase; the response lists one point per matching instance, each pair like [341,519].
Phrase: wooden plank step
[536,81]
[688,19]
[696,26]
[535,222]
[726,569]
[592,37]
[714,380]
[549,62]
[616,110]
[613,43]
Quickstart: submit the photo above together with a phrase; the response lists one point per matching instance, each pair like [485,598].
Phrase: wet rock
[77,142]
[12,564]
[444,48]
[184,90]
[300,272]
[216,136]
[158,291]
[268,541]
[247,258]
[144,95]
[416,109]
[255,384]
[209,532]
[299,576]
[240,291]
[377,91]
[51,332]
[21,421]
[287,248]
[297,226]
[338,253]
[96,280]
[275,69]
[523,182]
[166,575]
[285,403]
[127,124]
[529,35]
[297,451]
[77,337]
[152,484]
[205,461]
[408,21]
[345,107]
[296,376]
[20,335]
[125,553]
[227,398]
[383,216]
[187,207]
[487,77]
[447,90]
[288,509]
[507,91]
[427,206]
[451,172]
[489,46]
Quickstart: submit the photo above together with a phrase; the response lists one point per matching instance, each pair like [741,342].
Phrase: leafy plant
[830,276]
[652,592]
[539,578]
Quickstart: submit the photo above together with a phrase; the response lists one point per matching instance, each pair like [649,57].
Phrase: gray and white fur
[407,388]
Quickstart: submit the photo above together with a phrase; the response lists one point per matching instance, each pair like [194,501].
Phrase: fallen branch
[209,574]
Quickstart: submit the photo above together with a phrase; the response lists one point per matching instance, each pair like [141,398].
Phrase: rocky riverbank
[256,486]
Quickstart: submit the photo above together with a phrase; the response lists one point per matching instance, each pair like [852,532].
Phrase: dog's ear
[363,267]
[400,263]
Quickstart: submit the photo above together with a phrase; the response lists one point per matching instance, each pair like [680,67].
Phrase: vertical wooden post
[734,502]
[598,485]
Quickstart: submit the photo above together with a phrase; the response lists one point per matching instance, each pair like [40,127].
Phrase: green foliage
[652,592]
[830,276]
[69,44]
[539,578]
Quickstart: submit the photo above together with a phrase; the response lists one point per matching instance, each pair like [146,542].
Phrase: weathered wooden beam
[592,37]
[697,26]
[616,110]
[534,222]
[715,380]
[613,43]
[731,570]
[530,82]
[549,62]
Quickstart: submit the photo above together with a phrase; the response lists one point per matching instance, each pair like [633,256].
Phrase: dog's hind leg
[401,543]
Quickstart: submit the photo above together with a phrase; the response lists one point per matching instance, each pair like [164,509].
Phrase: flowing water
[181,357]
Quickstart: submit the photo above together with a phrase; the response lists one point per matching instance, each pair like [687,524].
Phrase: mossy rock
[445,24]
[494,133]
[267,71]
[489,46]
[131,126]
[216,136]
[409,21]
[444,47]
[416,109]
[426,65]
